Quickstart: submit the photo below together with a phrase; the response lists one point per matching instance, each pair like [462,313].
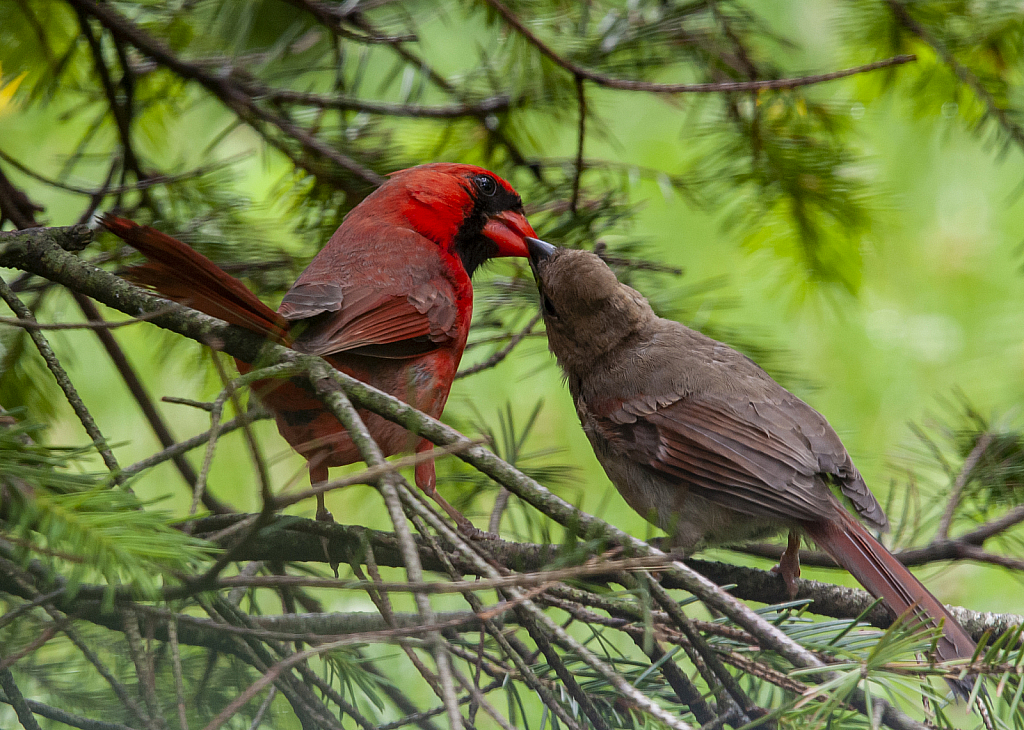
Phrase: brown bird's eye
[486,184]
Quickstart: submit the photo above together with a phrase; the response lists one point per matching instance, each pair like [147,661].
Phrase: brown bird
[703,443]
[388,300]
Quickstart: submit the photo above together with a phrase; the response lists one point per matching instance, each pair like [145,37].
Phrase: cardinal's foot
[323,515]
[472,532]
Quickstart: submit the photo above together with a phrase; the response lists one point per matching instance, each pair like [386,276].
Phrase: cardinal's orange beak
[509,230]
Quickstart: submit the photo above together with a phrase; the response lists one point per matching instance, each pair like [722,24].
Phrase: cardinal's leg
[426,479]
[789,564]
[318,475]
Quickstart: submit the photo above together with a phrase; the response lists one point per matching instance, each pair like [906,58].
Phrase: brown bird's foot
[789,565]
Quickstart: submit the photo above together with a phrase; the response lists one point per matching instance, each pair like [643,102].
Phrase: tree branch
[481,108]
[966,76]
[726,86]
[230,93]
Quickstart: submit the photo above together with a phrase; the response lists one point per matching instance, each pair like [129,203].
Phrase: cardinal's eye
[549,308]
[485,184]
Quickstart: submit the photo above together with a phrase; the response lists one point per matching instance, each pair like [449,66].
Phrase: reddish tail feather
[853,547]
[183,275]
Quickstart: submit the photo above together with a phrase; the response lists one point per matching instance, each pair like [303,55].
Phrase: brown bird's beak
[539,251]
[509,230]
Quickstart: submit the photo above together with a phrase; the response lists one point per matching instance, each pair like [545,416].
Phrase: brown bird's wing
[350,303]
[767,456]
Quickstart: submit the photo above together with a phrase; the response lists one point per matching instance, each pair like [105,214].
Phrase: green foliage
[79,526]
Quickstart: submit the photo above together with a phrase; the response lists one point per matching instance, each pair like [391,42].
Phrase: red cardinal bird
[703,443]
[388,300]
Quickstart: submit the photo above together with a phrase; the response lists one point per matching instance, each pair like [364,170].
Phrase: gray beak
[539,250]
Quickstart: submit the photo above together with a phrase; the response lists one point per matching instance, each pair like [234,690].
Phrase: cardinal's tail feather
[853,547]
[182,274]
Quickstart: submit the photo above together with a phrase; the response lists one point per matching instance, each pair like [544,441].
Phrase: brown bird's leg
[318,475]
[426,479]
[789,564]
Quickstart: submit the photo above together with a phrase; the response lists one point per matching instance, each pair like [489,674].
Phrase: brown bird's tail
[182,274]
[878,570]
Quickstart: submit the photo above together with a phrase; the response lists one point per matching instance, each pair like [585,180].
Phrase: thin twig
[550,627]
[240,101]
[480,700]
[512,649]
[683,624]
[199,487]
[179,685]
[17,701]
[122,114]
[342,407]
[962,477]
[725,86]
[149,182]
[14,573]
[275,671]
[201,405]
[501,354]
[143,668]
[16,206]
[311,711]
[31,324]
[264,706]
[979,535]
[521,580]
[260,464]
[500,503]
[966,76]
[326,14]
[69,718]
[188,444]
[9,660]
[520,655]
[451,111]
[370,475]
[581,102]
[141,395]
[64,381]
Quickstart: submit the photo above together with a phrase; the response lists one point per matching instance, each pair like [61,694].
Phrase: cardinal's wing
[761,455]
[398,302]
